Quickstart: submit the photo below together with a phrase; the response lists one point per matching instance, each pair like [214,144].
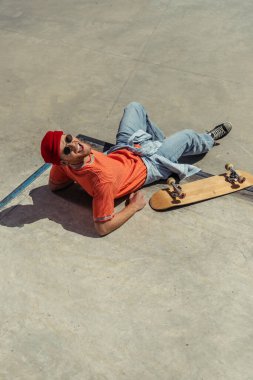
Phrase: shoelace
[219,131]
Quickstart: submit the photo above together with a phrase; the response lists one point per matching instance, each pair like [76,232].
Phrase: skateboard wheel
[229,166]
[182,196]
[241,179]
[171,180]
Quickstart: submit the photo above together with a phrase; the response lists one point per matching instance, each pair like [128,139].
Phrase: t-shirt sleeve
[58,176]
[103,202]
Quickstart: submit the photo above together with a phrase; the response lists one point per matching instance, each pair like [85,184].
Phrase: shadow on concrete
[71,207]
[192,160]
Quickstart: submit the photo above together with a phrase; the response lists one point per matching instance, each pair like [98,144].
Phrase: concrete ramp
[168,296]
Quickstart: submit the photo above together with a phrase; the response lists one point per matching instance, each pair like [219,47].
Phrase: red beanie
[50,147]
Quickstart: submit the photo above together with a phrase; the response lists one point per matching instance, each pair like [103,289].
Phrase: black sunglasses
[68,140]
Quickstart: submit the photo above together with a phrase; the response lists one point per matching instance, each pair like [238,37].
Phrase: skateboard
[197,191]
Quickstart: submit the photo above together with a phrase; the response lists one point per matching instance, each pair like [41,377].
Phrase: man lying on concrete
[142,155]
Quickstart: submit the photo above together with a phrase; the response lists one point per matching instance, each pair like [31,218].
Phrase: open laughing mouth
[80,148]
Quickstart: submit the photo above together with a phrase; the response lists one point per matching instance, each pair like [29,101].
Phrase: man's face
[72,150]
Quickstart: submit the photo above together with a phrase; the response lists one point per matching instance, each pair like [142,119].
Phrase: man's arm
[54,187]
[136,202]
[58,179]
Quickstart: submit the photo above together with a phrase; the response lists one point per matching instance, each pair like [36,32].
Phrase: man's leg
[134,118]
[185,143]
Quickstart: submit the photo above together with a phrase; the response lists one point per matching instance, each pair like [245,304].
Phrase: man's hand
[136,202]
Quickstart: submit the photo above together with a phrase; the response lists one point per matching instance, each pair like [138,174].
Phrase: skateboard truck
[177,189]
[232,176]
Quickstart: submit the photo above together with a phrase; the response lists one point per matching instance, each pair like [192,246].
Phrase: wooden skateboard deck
[199,190]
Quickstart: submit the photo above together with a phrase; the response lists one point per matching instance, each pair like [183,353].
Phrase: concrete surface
[168,296]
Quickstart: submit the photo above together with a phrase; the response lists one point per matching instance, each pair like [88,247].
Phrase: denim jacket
[158,167]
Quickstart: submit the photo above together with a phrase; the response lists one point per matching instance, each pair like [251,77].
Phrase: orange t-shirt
[105,178]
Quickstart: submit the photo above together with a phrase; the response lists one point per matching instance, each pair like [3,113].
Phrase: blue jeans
[134,118]
[165,160]
[184,143]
